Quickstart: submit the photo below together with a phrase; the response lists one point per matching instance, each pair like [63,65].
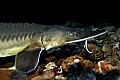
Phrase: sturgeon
[27,41]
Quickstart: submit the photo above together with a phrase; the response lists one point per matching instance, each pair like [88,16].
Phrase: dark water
[51,19]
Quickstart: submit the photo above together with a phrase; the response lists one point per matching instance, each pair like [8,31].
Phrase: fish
[27,41]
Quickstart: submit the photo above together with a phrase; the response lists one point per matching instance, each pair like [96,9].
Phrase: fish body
[27,41]
[15,37]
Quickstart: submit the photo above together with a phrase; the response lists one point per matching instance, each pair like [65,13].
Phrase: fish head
[57,38]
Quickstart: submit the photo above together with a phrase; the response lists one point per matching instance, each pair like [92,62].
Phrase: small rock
[111,49]
[50,65]
[76,59]
[48,74]
[60,77]
[113,61]
[104,67]
[70,60]
[6,74]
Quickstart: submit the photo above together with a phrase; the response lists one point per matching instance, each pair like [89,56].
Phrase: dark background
[58,15]
[58,12]
[61,19]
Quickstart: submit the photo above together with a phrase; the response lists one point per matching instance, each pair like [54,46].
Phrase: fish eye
[70,33]
[73,34]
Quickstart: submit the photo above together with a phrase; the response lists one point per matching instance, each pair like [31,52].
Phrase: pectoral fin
[28,60]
